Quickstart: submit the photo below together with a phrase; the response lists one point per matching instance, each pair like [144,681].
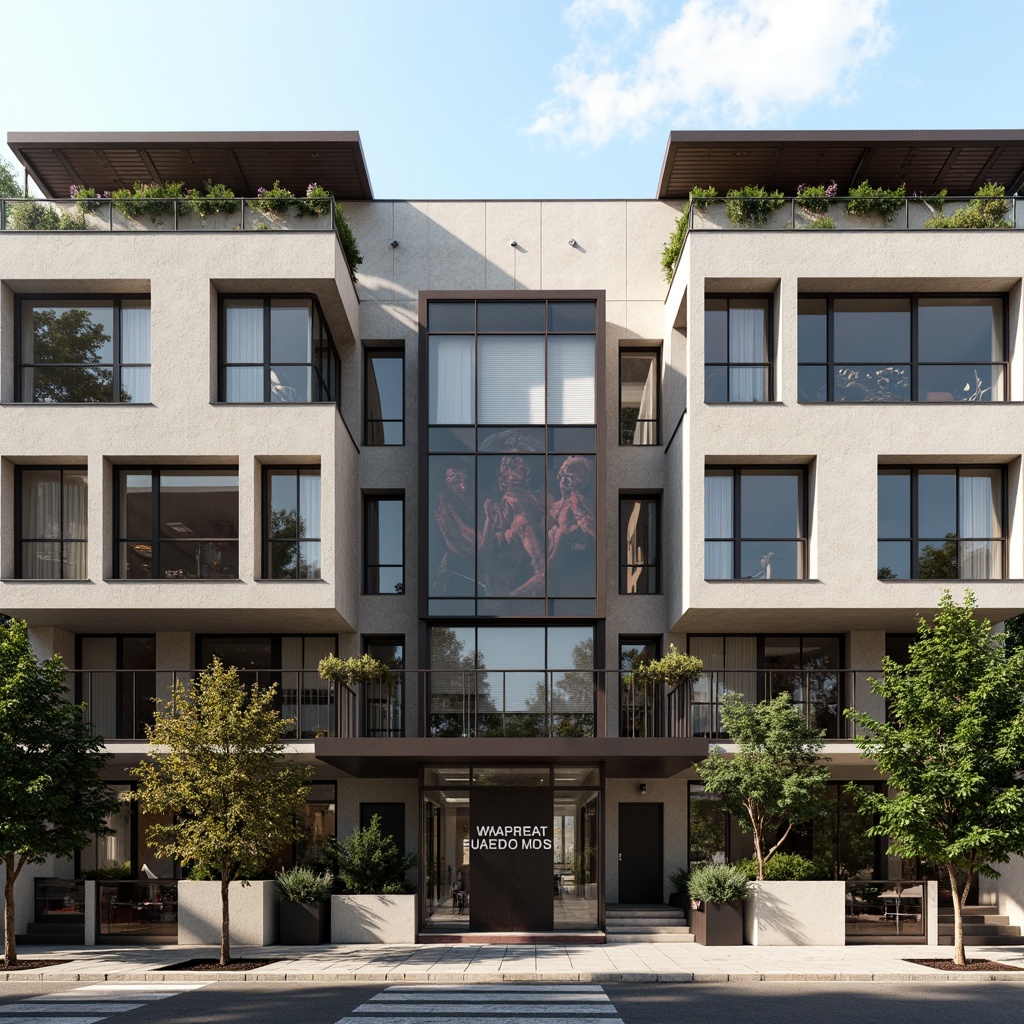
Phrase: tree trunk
[225,918]
[10,941]
[958,916]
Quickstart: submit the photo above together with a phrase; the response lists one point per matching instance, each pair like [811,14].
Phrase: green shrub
[815,198]
[218,199]
[275,199]
[987,210]
[145,200]
[718,883]
[348,240]
[821,224]
[866,201]
[782,867]
[370,862]
[679,880]
[110,871]
[318,201]
[752,204]
[674,246]
[31,215]
[87,200]
[303,885]
[934,203]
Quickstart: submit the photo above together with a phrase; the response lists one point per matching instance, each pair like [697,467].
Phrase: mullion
[116,353]
[266,350]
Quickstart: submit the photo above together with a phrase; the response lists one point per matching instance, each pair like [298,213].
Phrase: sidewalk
[640,962]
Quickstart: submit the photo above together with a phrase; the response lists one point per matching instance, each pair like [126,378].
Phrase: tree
[217,768]
[10,188]
[52,800]
[952,747]
[370,862]
[775,779]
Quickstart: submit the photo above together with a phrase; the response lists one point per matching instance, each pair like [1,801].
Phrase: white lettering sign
[511,837]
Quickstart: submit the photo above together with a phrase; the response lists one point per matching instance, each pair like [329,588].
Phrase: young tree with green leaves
[775,779]
[10,187]
[217,767]
[952,749]
[52,800]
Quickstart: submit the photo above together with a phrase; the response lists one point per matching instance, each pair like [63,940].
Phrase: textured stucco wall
[1005,892]
[252,910]
[373,919]
[795,914]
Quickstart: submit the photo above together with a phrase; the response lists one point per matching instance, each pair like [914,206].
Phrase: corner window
[638,396]
[384,519]
[84,350]
[177,523]
[754,524]
[384,398]
[737,363]
[291,525]
[639,556]
[277,350]
[902,349]
[941,523]
[52,524]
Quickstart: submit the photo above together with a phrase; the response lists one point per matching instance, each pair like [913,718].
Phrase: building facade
[511,461]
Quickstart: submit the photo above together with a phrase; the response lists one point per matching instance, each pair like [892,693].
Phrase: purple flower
[74,191]
[261,192]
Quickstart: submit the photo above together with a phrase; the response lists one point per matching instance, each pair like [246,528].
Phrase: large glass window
[177,523]
[901,349]
[384,699]
[84,350]
[941,523]
[511,502]
[639,556]
[737,354]
[277,350]
[754,524]
[384,398]
[384,520]
[53,517]
[638,396]
[118,684]
[291,526]
[512,681]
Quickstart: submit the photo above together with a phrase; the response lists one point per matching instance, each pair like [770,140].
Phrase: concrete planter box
[305,924]
[373,919]
[253,909]
[795,914]
[717,924]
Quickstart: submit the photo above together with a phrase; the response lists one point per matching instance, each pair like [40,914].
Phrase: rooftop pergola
[924,161]
[243,161]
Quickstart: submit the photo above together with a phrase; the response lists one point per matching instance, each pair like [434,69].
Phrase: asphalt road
[331,1003]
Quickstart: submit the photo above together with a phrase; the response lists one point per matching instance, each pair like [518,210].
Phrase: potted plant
[679,896]
[305,912]
[717,892]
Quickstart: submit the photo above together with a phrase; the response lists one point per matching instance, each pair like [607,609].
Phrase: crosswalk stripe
[163,987]
[51,1020]
[496,987]
[466,995]
[560,1019]
[55,1004]
[78,996]
[530,1008]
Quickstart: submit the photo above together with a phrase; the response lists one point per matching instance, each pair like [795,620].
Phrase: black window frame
[375,428]
[116,366]
[370,565]
[915,364]
[268,540]
[154,538]
[770,348]
[738,539]
[655,352]
[331,387]
[916,539]
[19,537]
[651,566]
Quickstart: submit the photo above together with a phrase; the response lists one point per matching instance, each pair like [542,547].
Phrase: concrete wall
[25,888]
[795,914]
[1005,892]
[252,910]
[373,919]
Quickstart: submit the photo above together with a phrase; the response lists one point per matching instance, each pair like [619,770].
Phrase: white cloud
[728,63]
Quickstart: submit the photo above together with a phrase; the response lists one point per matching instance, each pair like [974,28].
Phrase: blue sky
[495,99]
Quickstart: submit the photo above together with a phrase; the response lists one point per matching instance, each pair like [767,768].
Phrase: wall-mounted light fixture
[643,789]
[513,243]
[572,242]
[394,243]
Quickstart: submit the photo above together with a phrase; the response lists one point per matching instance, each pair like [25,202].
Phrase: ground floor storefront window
[511,848]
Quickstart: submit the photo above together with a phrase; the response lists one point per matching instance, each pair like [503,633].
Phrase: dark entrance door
[640,864]
[512,876]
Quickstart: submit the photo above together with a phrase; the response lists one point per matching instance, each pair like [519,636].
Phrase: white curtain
[317,710]
[571,379]
[980,501]
[99,689]
[511,385]
[718,527]
[309,504]
[135,334]
[746,345]
[741,665]
[244,334]
[451,380]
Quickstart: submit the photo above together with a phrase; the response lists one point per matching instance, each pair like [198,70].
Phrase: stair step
[976,919]
[622,937]
[56,927]
[986,940]
[660,918]
[977,930]
[52,939]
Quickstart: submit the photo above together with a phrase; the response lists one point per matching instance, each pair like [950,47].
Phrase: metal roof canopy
[924,161]
[243,161]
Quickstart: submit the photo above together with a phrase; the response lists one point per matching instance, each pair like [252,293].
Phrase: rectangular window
[737,361]
[117,684]
[638,545]
[639,377]
[754,524]
[384,398]
[291,525]
[384,699]
[384,520]
[902,349]
[277,350]
[52,525]
[177,523]
[938,523]
[87,350]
